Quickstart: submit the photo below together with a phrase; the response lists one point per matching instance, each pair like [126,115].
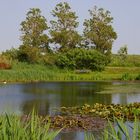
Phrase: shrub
[5,63]
[138,77]
[80,58]
[11,54]
[49,59]
[29,54]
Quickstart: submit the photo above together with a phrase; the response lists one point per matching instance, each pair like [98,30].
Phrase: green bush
[138,77]
[5,63]
[11,54]
[79,58]
[29,54]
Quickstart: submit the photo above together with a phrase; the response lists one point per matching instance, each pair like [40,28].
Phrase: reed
[23,72]
[13,128]
[119,130]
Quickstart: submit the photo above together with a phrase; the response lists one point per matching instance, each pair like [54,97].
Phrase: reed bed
[24,72]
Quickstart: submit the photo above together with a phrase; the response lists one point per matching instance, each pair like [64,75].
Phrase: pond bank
[39,73]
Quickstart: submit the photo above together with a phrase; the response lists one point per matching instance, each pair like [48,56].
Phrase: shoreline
[65,81]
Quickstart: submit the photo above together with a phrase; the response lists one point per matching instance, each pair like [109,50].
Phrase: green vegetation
[98,30]
[5,63]
[63,27]
[128,61]
[36,127]
[82,59]
[121,131]
[24,72]
[61,44]
[127,112]
[13,127]
[57,52]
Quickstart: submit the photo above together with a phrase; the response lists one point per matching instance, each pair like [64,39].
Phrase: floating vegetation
[127,112]
[78,122]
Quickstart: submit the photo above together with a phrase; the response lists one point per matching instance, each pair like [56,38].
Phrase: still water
[45,97]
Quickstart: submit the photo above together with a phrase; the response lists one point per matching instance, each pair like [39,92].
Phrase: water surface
[46,96]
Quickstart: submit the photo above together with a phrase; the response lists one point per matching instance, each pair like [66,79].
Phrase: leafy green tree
[98,30]
[122,52]
[33,37]
[63,29]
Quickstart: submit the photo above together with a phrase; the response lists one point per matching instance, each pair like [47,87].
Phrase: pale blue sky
[126,15]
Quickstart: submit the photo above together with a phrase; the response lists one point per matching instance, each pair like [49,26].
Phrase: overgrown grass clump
[13,127]
[119,130]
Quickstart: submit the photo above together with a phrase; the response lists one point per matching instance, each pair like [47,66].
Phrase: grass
[129,61]
[33,127]
[23,72]
[13,128]
[119,131]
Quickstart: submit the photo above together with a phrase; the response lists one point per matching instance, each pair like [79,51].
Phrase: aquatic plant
[127,112]
[13,127]
[118,130]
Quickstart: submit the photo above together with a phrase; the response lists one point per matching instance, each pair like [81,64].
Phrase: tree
[63,29]
[33,29]
[122,52]
[98,30]
[34,40]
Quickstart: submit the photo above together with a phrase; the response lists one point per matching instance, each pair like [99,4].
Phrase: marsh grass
[13,128]
[129,61]
[24,72]
[119,130]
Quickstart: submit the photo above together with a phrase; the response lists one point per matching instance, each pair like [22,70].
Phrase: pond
[45,97]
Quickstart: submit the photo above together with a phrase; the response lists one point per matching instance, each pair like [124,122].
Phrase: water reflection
[44,97]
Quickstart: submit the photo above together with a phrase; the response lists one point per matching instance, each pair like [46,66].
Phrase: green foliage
[25,72]
[122,52]
[11,54]
[33,29]
[127,112]
[49,59]
[29,54]
[118,130]
[138,77]
[129,61]
[63,29]
[33,37]
[13,127]
[82,59]
[126,76]
[5,62]
[98,30]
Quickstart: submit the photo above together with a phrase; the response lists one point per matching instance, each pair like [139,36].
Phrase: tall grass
[24,72]
[129,61]
[119,131]
[13,128]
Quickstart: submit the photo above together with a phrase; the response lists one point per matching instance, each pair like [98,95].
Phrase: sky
[125,13]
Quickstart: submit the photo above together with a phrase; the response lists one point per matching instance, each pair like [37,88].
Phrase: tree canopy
[63,28]
[98,30]
[33,29]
